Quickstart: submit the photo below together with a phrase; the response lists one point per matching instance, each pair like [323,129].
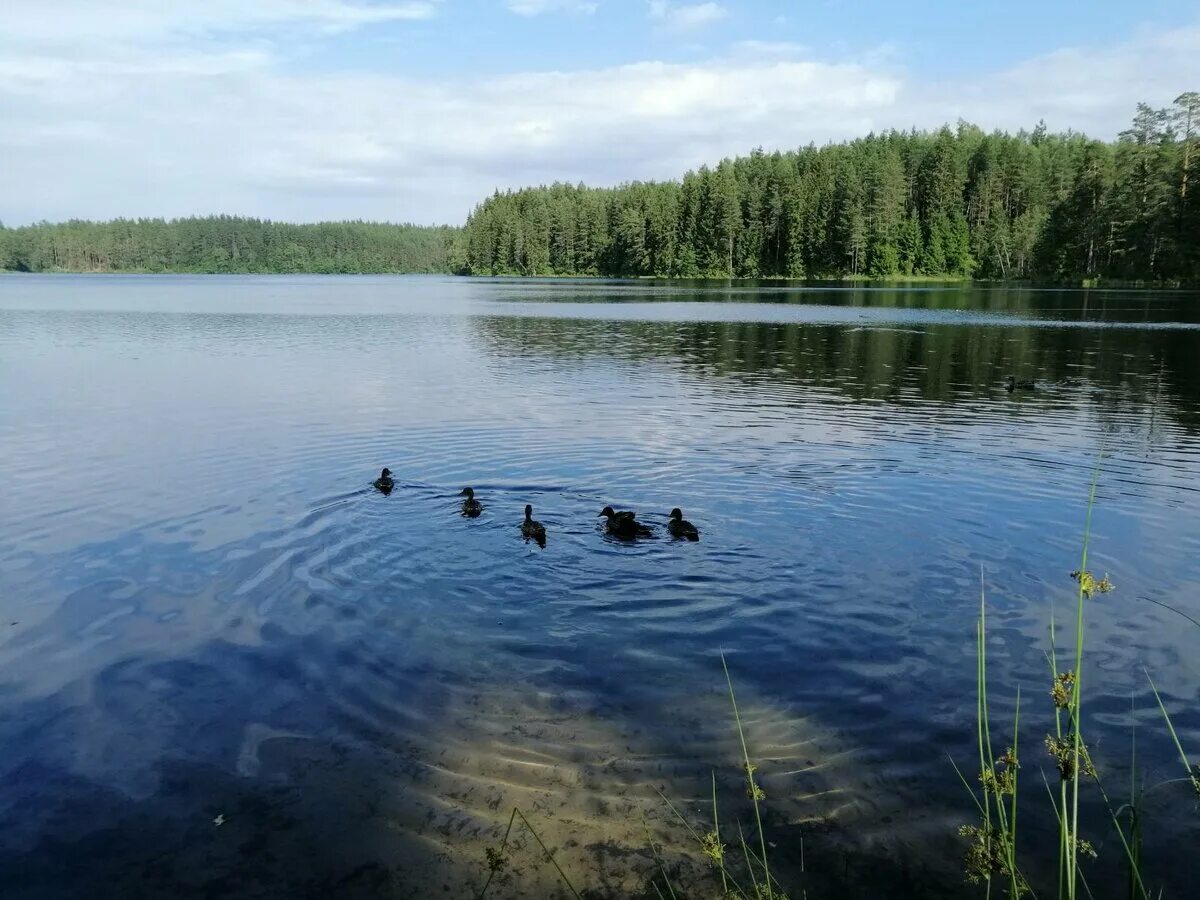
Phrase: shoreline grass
[992,851]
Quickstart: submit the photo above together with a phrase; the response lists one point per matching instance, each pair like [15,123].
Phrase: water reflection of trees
[1119,368]
[1101,306]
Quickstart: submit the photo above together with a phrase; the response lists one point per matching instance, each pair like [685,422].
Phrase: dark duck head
[681,527]
[470,506]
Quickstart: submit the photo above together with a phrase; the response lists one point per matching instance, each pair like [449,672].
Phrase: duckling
[384,483]
[533,529]
[623,524]
[471,508]
[1014,385]
[681,527]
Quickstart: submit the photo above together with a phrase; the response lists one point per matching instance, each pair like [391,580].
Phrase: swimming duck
[384,483]
[623,524]
[531,528]
[471,507]
[1014,385]
[681,527]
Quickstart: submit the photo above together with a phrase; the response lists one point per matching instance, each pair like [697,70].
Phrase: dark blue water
[207,615]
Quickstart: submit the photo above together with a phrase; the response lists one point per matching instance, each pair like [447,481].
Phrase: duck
[681,527]
[1014,385]
[531,528]
[623,524]
[384,483]
[471,508]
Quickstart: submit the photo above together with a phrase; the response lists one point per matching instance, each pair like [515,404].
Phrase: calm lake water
[206,615]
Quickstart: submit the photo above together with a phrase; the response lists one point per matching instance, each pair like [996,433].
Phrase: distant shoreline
[863,280]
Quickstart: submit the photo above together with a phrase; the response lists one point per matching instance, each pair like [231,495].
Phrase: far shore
[863,280]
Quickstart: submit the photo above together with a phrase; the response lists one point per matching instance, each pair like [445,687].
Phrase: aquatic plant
[991,844]
[991,850]
[498,857]
[1066,745]
[1089,585]
[762,884]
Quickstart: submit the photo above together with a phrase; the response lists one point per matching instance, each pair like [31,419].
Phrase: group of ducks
[619,523]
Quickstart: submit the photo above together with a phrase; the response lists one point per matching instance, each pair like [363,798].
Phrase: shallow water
[205,611]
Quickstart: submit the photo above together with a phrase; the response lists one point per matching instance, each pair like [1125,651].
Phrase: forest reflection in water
[1117,370]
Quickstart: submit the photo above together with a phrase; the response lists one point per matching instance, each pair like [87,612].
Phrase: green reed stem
[1054,806]
[1063,837]
[1013,875]
[1130,853]
[1135,819]
[662,870]
[1178,612]
[549,855]
[717,832]
[503,847]
[725,874]
[982,736]
[749,865]
[966,784]
[1005,831]
[1076,711]
[1187,766]
[762,838]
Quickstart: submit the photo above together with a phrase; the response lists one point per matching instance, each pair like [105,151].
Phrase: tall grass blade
[1192,774]
[662,870]
[1178,612]
[754,791]
[717,832]
[549,855]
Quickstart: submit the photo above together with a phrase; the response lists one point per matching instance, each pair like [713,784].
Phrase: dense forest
[952,203]
[957,202]
[224,244]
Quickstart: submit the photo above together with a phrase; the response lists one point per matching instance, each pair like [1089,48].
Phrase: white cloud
[541,7]
[61,22]
[219,123]
[778,49]
[684,16]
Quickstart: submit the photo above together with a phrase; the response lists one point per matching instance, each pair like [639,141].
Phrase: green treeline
[224,244]
[956,203]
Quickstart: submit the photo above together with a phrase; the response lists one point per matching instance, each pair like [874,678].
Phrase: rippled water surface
[207,615]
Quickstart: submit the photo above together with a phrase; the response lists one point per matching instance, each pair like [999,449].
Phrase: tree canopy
[956,202]
[224,244]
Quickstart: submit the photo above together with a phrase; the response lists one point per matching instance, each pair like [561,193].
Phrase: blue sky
[934,38]
[416,109]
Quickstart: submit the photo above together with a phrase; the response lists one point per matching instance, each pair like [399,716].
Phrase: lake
[229,668]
